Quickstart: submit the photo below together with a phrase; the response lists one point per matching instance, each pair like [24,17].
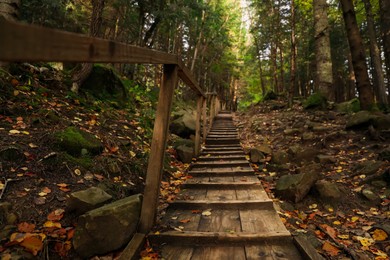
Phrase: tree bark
[293,55]
[363,84]
[324,72]
[9,9]
[385,29]
[96,21]
[376,62]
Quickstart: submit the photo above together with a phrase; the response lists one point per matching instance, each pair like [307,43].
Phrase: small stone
[185,153]
[320,129]
[280,157]
[86,200]
[379,184]
[324,159]
[256,155]
[12,218]
[265,149]
[307,136]
[291,131]
[328,190]
[371,196]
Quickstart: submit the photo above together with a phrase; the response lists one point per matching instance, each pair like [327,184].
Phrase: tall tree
[324,72]
[376,62]
[366,96]
[293,54]
[96,21]
[385,28]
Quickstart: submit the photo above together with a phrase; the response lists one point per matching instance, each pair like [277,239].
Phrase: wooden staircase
[223,212]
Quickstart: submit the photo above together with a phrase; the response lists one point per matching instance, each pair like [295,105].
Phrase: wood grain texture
[131,250]
[219,252]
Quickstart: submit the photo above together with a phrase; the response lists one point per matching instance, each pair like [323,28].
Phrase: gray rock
[384,155]
[360,119]
[379,184]
[321,129]
[280,157]
[256,155]
[369,167]
[307,136]
[351,106]
[183,123]
[302,154]
[328,190]
[265,149]
[292,131]
[324,159]
[86,200]
[185,153]
[295,187]
[107,228]
[371,196]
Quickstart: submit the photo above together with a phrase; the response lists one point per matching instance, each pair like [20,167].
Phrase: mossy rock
[351,106]
[85,162]
[73,141]
[104,84]
[316,100]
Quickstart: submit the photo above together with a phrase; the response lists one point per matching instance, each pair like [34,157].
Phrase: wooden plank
[219,163]
[187,77]
[222,185]
[252,193]
[216,238]
[22,42]
[219,252]
[221,194]
[306,249]
[192,194]
[184,218]
[221,221]
[236,204]
[259,220]
[155,163]
[177,252]
[273,250]
[132,249]
[197,127]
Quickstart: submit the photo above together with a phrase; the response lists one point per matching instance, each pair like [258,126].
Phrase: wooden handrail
[21,42]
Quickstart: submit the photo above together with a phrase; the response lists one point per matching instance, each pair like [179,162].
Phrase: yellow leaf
[379,235]
[50,224]
[32,145]
[16,92]
[336,222]
[132,154]
[25,132]
[366,242]
[354,219]
[343,236]
[77,172]
[14,131]
[32,244]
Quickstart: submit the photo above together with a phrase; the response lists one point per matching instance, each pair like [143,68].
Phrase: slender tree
[385,28]
[324,72]
[293,54]
[376,62]
[363,84]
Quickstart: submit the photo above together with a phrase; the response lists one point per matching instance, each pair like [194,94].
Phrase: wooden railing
[22,43]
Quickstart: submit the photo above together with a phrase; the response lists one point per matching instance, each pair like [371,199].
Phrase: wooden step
[222,141]
[219,163]
[217,238]
[222,149]
[189,184]
[216,204]
[222,157]
[222,153]
[225,173]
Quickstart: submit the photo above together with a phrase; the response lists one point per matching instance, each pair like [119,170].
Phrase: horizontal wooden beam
[215,238]
[186,75]
[22,42]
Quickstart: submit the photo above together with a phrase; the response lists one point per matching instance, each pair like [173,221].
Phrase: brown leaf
[330,249]
[32,244]
[26,227]
[185,220]
[62,248]
[56,215]
[40,201]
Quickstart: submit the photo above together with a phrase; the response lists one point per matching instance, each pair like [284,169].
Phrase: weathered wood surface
[240,220]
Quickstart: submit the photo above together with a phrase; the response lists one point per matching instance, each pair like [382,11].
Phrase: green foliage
[315,100]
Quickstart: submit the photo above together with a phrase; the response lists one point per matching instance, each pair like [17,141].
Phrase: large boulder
[296,187]
[183,123]
[256,155]
[316,100]
[328,190]
[77,142]
[363,119]
[350,106]
[86,200]
[107,228]
[185,153]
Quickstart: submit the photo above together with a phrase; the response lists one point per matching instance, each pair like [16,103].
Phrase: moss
[351,106]
[316,100]
[84,161]
[73,140]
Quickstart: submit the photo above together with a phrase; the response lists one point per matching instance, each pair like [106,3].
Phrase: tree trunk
[293,55]
[96,20]
[377,72]
[9,9]
[363,84]
[324,72]
[351,81]
[385,28]
[262,84]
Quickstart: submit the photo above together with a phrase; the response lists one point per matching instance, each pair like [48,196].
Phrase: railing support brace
[156,157]
[197,128]
[204,117]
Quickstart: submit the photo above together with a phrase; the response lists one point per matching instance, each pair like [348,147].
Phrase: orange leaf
[26,227]
[32,244]
[62,248]
[379,235]
[56,215]
[70,233]
[185,220]
[51,224]
[330,249]
[331,231]
[196,211]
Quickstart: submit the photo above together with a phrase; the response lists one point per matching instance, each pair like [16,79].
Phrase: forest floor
[351,226]
[36,176]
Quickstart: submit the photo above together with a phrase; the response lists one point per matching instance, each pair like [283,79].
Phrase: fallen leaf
[32,145]
[14,131]
[185,220]
[379,235]
[206,213]
[62,248]
[330,249]
[196,211]
[343,236]
[77,172]
[56,215]
[40,200]
[365,241]
[132,154]
[26,227]
[32,244]
[51,224]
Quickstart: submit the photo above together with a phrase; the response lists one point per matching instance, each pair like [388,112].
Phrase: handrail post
[204,117]
[212,109]
[157,151]
[197,127]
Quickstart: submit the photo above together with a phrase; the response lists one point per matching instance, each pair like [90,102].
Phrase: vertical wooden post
[157,151]
[212,109]
[197,127]
[204,117]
